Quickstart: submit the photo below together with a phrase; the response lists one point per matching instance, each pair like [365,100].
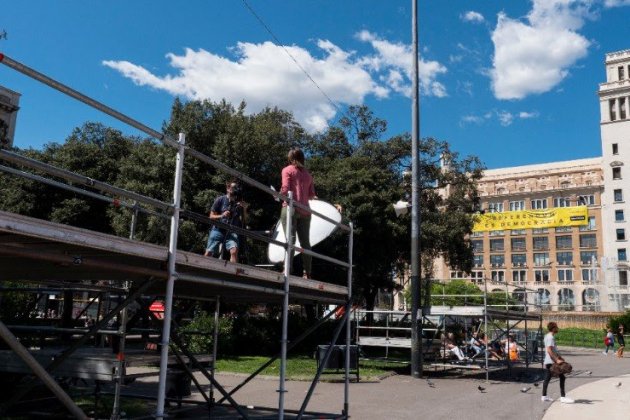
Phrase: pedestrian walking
[609,341]
[552,357]
[620,341]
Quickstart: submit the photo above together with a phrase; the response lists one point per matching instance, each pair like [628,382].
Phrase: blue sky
[513,82]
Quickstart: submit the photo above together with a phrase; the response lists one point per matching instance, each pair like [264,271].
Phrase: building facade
[614,98]
[9,106]
[566,268]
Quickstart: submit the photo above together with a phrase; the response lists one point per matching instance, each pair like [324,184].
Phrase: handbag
[561,368]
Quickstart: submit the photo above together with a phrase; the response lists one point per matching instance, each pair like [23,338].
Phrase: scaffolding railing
[173,211]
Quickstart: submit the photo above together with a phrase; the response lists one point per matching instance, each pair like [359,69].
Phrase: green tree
[356,168]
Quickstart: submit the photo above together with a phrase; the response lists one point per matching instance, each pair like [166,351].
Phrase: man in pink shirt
[297,179]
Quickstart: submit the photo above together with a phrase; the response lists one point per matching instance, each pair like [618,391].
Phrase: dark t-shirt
[221,205]
[620,339]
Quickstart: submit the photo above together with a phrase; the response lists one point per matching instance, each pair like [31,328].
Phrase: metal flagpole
[172,276]
[416,341]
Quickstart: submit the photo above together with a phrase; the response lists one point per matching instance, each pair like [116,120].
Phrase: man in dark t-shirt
[231,210]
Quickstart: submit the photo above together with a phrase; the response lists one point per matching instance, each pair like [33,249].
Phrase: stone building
[565,268]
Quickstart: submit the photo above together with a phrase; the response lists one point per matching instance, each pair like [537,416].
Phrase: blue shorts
[215,239]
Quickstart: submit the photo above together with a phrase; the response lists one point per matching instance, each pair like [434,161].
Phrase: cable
[280,44]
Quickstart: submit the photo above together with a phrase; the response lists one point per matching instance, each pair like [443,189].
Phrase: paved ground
[402,397]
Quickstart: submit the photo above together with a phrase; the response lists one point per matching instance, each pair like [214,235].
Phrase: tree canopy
[352,163]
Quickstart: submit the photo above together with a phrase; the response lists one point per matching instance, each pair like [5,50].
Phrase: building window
[519,276]
[518,244]
[498,276]
[477,246]
[457,275]
[616,173]
[541,242]
[591,300]
[613,109]
[497,245]
[541,259]
[564,242]
[588,241]
[478,260]
[619,216]
[615,149]
[564,258]
[566,300]
[517,205]
[515,232]
[565,274]
[564,229]
[476,234]
[539,203]
[541,275]
[586,200]
[621,254]
[540,230]
[618,195]
[590,226]
[519,260]
[589,275]
[621,234]
[542,297]
[496,233]
[623,278]
[621,72]
[562,202]
[495,207]
[476,276]
[588,257]
[622,108]
[497,260]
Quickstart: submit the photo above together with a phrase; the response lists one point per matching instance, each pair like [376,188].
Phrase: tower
[614,99]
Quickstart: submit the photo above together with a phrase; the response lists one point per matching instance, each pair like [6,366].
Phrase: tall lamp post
[416,338]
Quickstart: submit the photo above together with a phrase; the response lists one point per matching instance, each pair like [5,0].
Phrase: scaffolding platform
[44,252]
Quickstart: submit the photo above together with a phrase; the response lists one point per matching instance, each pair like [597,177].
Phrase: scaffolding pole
[172,276]
[288,260]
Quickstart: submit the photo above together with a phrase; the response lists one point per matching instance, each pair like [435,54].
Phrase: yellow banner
[532,219]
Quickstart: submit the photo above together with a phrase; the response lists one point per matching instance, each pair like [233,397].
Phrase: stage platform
[44,252]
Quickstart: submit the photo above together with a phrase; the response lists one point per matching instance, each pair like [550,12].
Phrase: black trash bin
[178,383]
[337,359]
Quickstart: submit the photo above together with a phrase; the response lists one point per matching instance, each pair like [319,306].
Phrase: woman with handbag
[555,361]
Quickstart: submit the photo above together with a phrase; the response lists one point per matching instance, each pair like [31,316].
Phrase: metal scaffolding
[61,257]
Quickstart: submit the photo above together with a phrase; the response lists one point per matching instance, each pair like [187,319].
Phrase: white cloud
[527,115]
[616,3]
[535,55]
[264,75]
[472,16]
[396,58]
[505,118]
[471,119]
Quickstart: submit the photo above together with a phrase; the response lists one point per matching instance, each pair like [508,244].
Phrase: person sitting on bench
[451,346]
[476,344]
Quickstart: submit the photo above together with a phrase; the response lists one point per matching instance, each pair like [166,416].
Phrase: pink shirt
[300,181]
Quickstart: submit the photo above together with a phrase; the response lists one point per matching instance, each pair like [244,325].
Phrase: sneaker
[604,353]
[566,400]
[546,399]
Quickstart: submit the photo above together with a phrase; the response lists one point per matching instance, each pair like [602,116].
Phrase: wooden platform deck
[50,253]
